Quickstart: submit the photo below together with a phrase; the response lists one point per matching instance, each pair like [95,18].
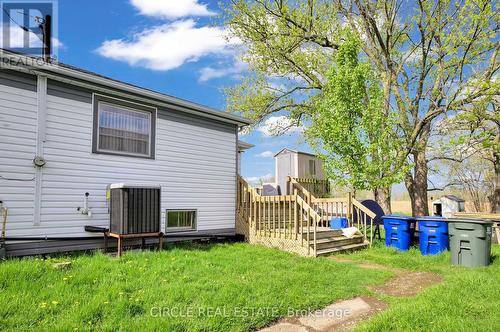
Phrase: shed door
[438,209]
[285,164]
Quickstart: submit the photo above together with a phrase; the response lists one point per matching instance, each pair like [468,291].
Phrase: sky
[171,46]
[177,47]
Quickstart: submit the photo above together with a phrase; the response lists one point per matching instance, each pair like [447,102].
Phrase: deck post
[308,218]
[255,217]
[349,208]
[314,237]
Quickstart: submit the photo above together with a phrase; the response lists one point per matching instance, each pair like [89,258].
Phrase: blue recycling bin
[338,223]
[399,231]
[433,235]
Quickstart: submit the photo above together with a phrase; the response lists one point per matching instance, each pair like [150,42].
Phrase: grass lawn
[467,300]
[235,287]
[178,289]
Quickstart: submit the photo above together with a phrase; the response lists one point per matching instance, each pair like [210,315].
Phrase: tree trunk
[383,195]
[383,198]
[494,198]
[416,183]
[418,192]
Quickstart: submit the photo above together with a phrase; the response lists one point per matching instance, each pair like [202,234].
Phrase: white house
[447,205]
[65,132]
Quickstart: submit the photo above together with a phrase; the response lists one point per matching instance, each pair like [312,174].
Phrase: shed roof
[35,65]
[294,151]
[454,198]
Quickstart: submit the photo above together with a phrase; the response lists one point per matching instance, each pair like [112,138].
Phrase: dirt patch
[404,283]
[407,283]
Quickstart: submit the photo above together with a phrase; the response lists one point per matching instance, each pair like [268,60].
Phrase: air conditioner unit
[134,208]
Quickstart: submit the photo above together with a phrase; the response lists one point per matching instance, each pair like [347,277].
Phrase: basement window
[181,220]
[123,128]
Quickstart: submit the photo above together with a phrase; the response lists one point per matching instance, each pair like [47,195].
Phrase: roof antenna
[45,25]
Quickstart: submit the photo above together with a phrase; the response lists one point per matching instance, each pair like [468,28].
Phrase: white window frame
[131,107]
[181,229]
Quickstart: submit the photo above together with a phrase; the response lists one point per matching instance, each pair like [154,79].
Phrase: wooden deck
[299,222]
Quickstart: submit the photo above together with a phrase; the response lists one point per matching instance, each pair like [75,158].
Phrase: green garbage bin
[470,241]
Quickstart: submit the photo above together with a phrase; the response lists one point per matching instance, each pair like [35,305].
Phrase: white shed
[447,205]
[296,164]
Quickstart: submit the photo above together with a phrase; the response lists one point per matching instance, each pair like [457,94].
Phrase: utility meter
[39,161]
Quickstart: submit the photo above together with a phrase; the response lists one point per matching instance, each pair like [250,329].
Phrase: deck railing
[318,188]
[287,217]
[327,208]
[361,215]
[296,217]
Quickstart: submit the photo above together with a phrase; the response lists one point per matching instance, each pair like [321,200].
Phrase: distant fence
[318,188]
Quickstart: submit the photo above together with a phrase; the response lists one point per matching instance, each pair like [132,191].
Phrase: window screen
[181,219]
[124,130]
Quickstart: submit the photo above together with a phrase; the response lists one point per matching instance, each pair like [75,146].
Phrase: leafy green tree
[484,129]
[288,46]
[471,145]
[352,131]
[434,57]
[428,54]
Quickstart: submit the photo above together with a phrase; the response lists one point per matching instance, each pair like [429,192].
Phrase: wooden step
[322,233]
[338,241]
[350,247]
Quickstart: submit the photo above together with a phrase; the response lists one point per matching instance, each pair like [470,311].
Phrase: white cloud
[57,43]
[208,73]
[277,125]
[260,179]
[16,38]
[169,46]
[265,154]
[171,9]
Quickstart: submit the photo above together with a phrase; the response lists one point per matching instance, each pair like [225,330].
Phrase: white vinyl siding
[195,165]
[18,118]
[304,164]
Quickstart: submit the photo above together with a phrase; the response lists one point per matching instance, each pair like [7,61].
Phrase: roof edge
[242,145]
[294,151]
[41,66]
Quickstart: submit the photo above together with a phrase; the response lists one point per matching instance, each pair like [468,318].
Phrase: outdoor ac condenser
[134,208]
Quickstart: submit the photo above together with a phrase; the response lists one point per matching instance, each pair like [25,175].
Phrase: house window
[181,220]
[123,128]
[312,167]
